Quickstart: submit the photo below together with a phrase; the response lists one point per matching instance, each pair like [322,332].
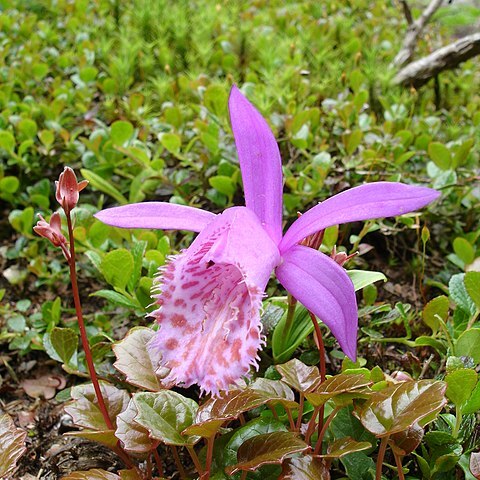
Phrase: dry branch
[421,71]
[414,30]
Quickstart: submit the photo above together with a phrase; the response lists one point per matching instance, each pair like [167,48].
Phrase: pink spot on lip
[178,320]
[189,284]
[171,344]
[179,302]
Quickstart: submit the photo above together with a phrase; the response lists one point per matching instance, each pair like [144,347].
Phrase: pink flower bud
[341,257]
[67,189]
[51,231]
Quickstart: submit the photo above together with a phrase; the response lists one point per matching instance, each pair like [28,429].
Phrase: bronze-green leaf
[12,445]
[475,465]
[336,385]
[166,415]
[398,407]
[134,361]
[135,438]
[266,449]
[299,376]
[344,446]
[105,437]
[305,467]
[407,441]
[84,407]
[94,474]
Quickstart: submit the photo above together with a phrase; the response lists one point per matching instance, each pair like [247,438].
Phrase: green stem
[473,319]
[458,422]
[292,303]
[444,329]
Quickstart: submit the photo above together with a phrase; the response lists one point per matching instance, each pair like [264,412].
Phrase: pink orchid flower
[209,296]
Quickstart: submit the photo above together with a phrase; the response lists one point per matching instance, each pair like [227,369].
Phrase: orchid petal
[325,289]
[369,201]
[210,298]
[260,163]
[156,215]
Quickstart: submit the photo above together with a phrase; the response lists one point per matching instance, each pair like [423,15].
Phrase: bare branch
[406,11]
[421,71]
[414,30]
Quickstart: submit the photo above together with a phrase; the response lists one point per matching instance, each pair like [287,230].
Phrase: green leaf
[116,298]
[461,154]
[363,278]
[84,408]
[215,99]
[299,376]
[116,267]
[468,344]
[398,407]
[268,448]
[27,128]
[65,343]
[460,385]
[134,361]
[47,137]
[440,155]
[464,250]
[352,141]
[88,74]
[473,403]
[459,294]
[472,285]
[438,306]
[305,467]
[7,141]
[12,445]
[165,415]
[100,184]
[120,132]
[106,437]
[285,343]
[9,184]
[223,184]
[172,142]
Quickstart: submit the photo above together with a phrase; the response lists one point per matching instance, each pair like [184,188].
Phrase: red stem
[159,463]
[208,462]
[398,461]
[290,419]
[195,460]
[318,446]
[178,462]
[381,455]
[323,367]
[300,412]
[86,346]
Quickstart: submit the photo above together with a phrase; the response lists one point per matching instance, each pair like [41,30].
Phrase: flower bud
[67,189]
[51,231]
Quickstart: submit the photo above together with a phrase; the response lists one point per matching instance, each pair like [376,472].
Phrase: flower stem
[311,424]
[208,461]
[159,462]
[83,331]
[195,460]
[398,462]
[381,455]
[300,412]
[318,446]
[86,346]
[178,462]
[290,419]
[323,367]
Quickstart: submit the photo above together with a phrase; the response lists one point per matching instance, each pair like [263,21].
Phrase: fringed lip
[209,299]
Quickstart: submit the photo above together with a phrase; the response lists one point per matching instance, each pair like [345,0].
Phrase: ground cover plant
[359,360]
